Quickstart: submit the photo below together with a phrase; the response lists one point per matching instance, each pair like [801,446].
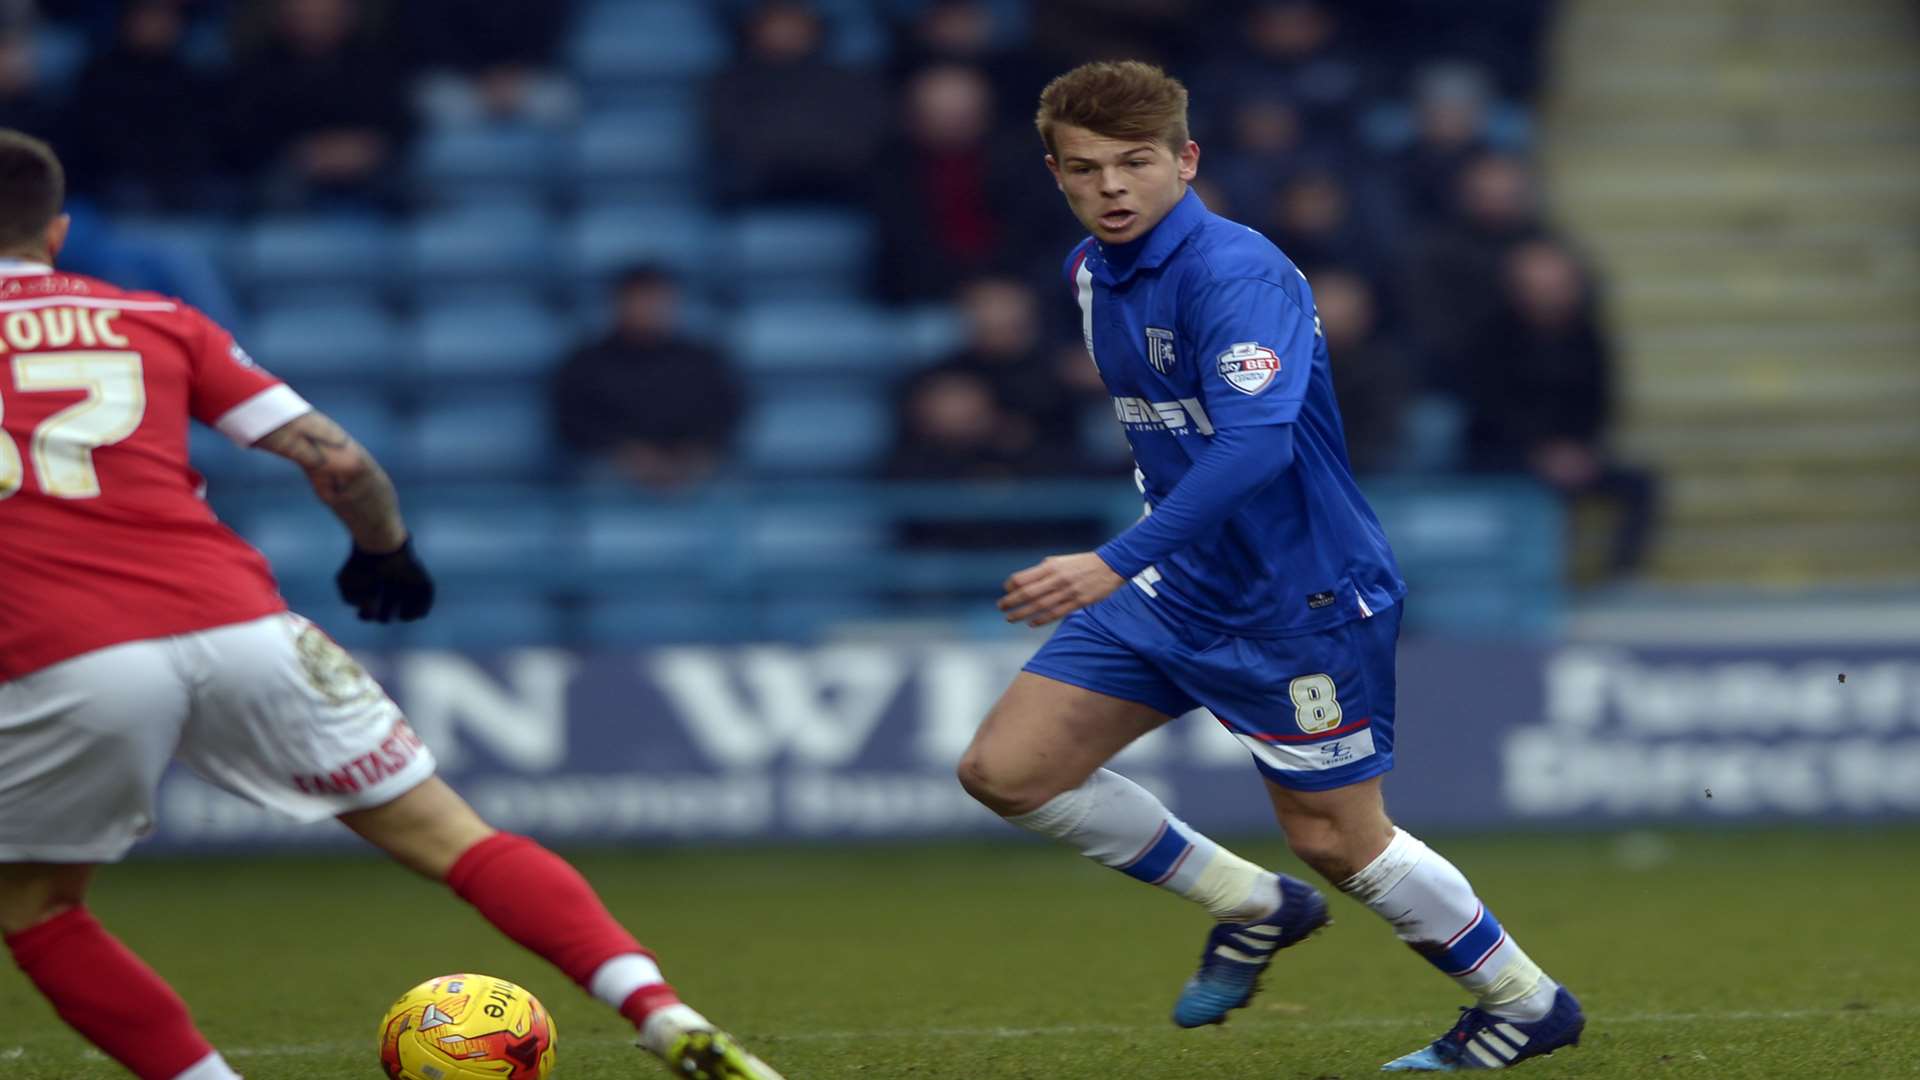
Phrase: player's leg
[1324,776]
[1519,1012]
[1037,761]
[82,747]
[285,717]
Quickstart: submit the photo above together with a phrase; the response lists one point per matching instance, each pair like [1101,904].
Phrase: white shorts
[271,710]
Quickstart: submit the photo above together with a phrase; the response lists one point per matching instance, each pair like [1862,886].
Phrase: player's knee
[996,791]
[26,902]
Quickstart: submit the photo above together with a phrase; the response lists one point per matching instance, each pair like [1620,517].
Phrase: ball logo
[1249,366]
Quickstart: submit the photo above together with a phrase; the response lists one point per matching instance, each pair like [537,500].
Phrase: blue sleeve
[1236,465]
[1254,343]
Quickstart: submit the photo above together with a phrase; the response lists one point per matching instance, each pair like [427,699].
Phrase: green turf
[1712,955]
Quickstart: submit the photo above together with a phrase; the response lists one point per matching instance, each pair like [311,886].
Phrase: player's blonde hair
[1120,99]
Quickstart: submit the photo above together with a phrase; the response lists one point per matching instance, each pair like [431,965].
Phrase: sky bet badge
[1160,349]
[1249,366]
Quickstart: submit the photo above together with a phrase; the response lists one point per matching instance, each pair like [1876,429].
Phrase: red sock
[108,994]
[539,900]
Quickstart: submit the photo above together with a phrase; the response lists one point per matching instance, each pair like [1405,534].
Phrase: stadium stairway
[1747,172]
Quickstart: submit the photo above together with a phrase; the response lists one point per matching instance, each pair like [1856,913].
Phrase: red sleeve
[230,391]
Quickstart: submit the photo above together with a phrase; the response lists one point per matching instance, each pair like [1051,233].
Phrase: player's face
[1119,188]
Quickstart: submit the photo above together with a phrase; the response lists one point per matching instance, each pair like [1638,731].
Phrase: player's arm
[382,578]
[1257,343]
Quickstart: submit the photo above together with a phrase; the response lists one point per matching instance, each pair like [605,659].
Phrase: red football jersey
[105,533]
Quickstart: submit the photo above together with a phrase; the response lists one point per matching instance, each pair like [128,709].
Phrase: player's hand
[383,587]
[1058,587]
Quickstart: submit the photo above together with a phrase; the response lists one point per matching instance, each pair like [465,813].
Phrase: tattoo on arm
[345,477]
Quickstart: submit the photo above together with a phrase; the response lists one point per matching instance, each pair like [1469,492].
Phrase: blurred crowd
[1383,144]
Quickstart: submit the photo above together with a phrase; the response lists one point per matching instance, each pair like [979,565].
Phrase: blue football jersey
[1202,326]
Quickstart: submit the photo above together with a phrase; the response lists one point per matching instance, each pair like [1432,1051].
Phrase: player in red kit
[136,629]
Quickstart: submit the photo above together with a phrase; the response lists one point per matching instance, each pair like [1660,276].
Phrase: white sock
[1117,823]
[616,980]
[666,1024]
[211,1067]
[1434,910]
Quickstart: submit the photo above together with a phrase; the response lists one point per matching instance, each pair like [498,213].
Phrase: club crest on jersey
[1160,349]
[1249,366]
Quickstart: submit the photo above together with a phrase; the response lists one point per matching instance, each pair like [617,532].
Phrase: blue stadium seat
[303,540]
[604,240]
[499,435]
[520,338]
[481,156]
[326,341]
[317,249]
[489,623]
[622,146]
[780,254]
[481,242]
[661,41]
[668,620]
[794,538]
[518,537]
[206,237]
[645,540]
[818,336]
[817,430]
[222,464]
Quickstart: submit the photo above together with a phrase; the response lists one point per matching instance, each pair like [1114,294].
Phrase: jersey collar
[23,268]
[1118,262]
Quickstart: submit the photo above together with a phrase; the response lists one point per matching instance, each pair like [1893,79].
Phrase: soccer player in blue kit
[1259,584]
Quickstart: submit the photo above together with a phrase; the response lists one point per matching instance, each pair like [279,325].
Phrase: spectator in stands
[1288,50]
[1370,371]
[318,102]
[1449,131]
[1540,392]
[661,409]
[1454,272]
[967,32]
[1314,220]
[1000,408]
[136,125]
[1262,146]
[492,60]
[958,195]
[24,102]
[786,122]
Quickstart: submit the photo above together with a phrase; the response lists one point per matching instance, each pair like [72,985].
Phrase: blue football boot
[1237,954]
[1482,1040]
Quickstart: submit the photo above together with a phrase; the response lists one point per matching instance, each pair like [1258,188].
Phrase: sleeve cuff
[262,414]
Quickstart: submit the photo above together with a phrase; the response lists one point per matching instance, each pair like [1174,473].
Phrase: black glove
[385,587]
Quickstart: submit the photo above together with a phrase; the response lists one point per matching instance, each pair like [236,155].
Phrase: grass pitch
[1712,955]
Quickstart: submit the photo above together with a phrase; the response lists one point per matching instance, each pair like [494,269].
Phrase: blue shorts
[1315,710]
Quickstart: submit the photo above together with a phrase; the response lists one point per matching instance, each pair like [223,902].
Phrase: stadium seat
[787,539]
[302,539]
[636,144]
[782,254]
[318,249]
[667,540]
[668,619]
[603,240]
[208,238]
[513,540]
[480,242]
[818,336]
[516,338]
[329,341]
[658,41]
[817,430]
[480,157]
[500,436]
[489,623]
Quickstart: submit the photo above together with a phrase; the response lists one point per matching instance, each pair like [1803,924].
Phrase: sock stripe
[1478,911]
[1488,955]
[1161,858]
